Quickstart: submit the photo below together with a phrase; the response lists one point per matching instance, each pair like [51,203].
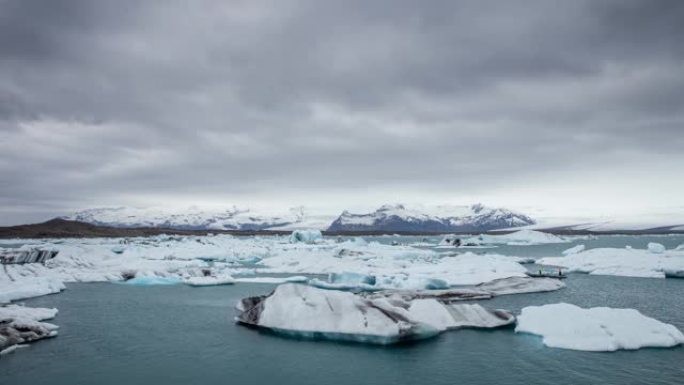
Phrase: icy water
[121,334]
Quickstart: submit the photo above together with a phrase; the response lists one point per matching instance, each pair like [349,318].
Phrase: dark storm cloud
[101,101]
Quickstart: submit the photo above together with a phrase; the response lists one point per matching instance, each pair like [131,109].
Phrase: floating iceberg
[626,262]
[309,312]
[272,280]
[209,281]
[153,281]
[573,250]
[346,281]
[178,257]
[351,278]
[20,324]
[305,311]
[656,248]
[306,236]
[27,287]
[520,285]
[596,329]
[520,237]
[504,286]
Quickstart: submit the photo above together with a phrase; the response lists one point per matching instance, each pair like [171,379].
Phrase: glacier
[599,329]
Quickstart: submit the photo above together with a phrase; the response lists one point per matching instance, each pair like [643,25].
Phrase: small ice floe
[626,262]
[272,280]
[573,250]
[153,281]
[20,325]
[656,248]
[606,329]
[309,312]
[209,281]
[520,285]
[306,236]
[520,238]
[346,281]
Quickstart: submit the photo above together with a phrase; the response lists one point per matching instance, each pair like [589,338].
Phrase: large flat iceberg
[487,290]
[521,237]
[12,289]
[623,262]
[568,326]
[309,312]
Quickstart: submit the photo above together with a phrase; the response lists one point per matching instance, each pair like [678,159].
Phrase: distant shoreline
[61,228]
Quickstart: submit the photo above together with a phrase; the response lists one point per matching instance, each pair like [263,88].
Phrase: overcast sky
[550,107]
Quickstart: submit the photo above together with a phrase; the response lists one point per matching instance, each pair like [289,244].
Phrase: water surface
[119,334]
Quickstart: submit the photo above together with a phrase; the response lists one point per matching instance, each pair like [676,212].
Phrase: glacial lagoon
[124,334]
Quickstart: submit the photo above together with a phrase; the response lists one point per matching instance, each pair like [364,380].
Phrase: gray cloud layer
[133,102]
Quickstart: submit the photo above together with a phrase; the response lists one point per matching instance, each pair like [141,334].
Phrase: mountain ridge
[388,217]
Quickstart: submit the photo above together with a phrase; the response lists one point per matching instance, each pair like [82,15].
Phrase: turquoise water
[120,334]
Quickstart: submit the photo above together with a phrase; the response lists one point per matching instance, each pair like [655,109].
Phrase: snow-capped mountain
[438,219]
[386,218]
[201,219]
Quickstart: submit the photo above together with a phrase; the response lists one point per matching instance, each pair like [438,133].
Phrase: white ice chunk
[622,262]
[272,280]
[520,285]
[656,248]
[27,287]
[209,281]
[306,311]
[20,324]
[521,237]
[316,313]
[574,250]
[596,329]
[153,281]
[306,236]
[27,313]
